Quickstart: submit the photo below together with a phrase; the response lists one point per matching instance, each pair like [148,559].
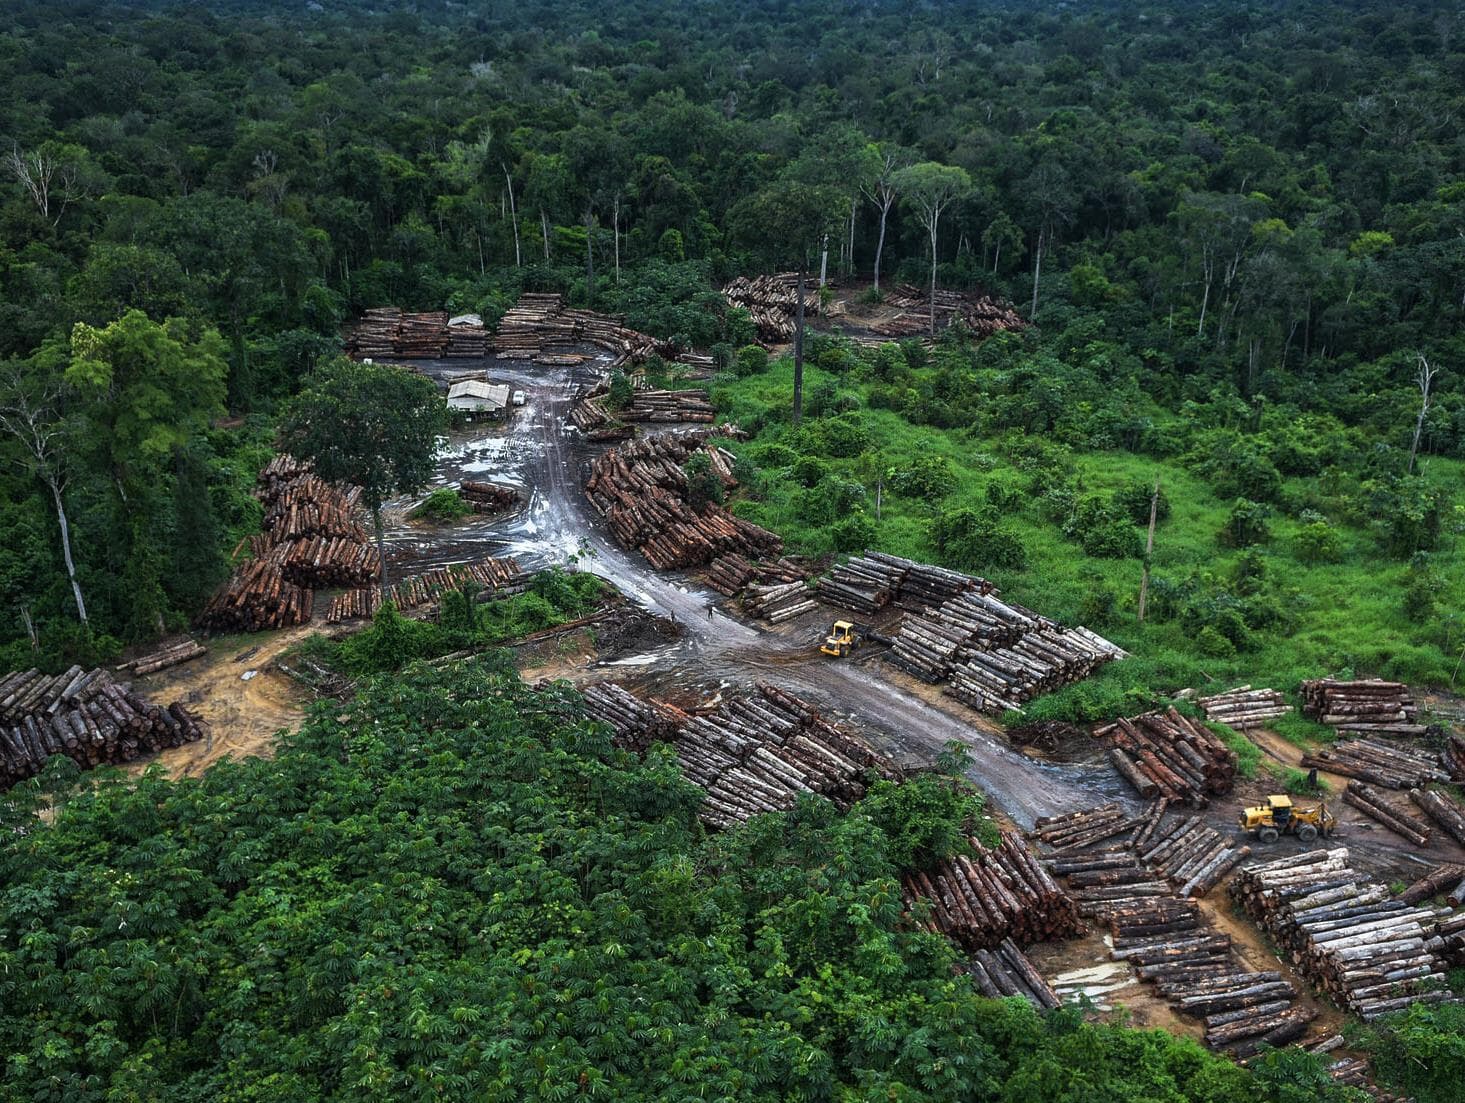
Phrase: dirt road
[542,453]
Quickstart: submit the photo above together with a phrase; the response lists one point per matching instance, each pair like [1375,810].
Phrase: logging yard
[1111,866]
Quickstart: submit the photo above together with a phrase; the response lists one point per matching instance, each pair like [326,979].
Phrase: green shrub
[1246,525]
[704,486]
[927,477]
[1134,500]
[1317,542]
[809,471]
[751,360]
[723,356]
[621,394]
[1420,1052]
[844,437]
[853,533]
[977,541]
[443,505]
[1215,644]
[924,819]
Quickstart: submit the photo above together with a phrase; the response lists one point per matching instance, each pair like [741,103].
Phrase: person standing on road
[711,608]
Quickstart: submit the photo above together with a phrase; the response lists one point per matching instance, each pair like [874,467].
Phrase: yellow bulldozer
[842,640]
[1279,816]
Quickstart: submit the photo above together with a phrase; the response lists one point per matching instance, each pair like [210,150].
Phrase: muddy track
[543,454]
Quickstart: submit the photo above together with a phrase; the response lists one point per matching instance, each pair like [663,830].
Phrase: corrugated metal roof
[477,394]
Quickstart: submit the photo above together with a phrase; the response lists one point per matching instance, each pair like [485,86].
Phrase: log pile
[779,602]
[637,724]
[1444,811]
[1371,803]
[641,490]
[1344,933]
[376,333]
[184,651]
[1169,944]
[499,576]
[670,406]
[256,598]
[388,332]
[979,312]
[753,753]
[978,900]
[865,583]
[590,416]
[84,715]
[488,497]
[1191,856]
[772,302]
[540,321]
[311,539]
[1244,707]
[1377,763]
[1167,754]
[1376,706]
[1006,971]
[728,574]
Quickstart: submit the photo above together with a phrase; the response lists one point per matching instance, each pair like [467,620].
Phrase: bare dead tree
[30,413]
[50,181]
[1424,378]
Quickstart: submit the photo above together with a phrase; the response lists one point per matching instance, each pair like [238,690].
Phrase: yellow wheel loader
[1279,816]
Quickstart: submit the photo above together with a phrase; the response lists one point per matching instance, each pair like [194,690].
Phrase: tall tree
[931,188]
[879,189]
[369,425]
[31,413]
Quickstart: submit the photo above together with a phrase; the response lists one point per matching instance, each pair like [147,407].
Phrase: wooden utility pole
[1144,582]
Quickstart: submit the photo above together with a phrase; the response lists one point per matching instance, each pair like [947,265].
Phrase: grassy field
[1340,618]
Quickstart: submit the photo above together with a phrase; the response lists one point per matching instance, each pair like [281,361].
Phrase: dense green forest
[1238,229]
[454,888]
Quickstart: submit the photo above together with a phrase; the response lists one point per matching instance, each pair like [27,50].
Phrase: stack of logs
[1167,754]
[727,574]
[1132,886]
[538,321]
[753,753]
[1379,763]
[670,406]
[590,416]
[772,301]
[1245,707]
[1444,811]
[1347,935]
[1192,857]
[172,655]
[1002,679]
[311,540]
[1006,971]
[488,497]
[84,715]
[1169,943]
[1372,803]
[979,312]
[979,899]
[388,332]
[641,489]
[867,583]
[1360,707]
[779,601]
[497,576]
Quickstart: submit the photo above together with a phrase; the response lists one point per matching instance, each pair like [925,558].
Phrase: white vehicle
[519,398]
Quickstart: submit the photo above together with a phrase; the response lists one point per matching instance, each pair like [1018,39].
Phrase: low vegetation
[951,456]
